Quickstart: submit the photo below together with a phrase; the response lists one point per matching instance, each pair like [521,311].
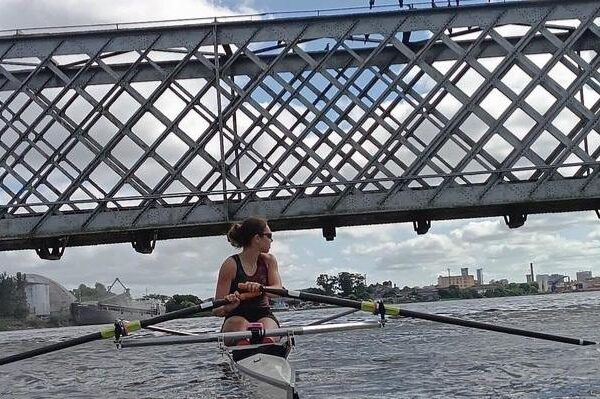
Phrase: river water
[407,359]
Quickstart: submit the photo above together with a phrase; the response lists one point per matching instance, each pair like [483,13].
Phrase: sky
[555,243]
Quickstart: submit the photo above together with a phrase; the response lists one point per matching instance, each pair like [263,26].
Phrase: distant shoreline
[7,324]
[10,324]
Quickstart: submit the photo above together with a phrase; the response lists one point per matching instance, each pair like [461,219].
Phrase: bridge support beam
[421,226]
[515,220]
[329,232]
[144,241]
[52,248]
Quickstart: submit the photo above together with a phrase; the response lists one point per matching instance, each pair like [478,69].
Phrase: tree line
[345,284]
[96,293]
[502,290]
[13,300]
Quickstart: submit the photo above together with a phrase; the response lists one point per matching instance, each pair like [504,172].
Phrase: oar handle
[247,291]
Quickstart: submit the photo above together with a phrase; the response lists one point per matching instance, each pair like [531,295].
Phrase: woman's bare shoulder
[269,259]
[229,266]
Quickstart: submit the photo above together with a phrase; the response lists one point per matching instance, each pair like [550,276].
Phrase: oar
[335,316]
[169,331]
[396,311]
[236,335]
[119,329]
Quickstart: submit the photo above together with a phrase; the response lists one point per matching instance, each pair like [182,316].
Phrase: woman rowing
[253,266]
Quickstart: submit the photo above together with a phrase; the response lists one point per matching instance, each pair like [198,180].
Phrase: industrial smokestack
[531,266]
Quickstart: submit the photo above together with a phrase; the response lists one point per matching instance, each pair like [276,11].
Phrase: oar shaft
[237,335]
[393,310]
[493,327]
[50,348]
[110,332]
[335,316]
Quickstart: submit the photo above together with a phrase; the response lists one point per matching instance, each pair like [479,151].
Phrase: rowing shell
[267,365]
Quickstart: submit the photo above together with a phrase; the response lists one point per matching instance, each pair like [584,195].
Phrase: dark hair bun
[240,235]
[234,235]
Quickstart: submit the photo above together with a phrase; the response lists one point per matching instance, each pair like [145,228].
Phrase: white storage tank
[542,280]
[38,298]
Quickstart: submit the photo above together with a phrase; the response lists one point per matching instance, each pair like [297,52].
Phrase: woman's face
[264,239]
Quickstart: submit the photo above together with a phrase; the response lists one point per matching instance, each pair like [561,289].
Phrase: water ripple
[408,358]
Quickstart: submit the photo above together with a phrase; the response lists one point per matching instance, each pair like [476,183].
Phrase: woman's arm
[274,278]
[226,276]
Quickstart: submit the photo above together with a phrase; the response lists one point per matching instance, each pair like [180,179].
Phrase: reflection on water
[408,358]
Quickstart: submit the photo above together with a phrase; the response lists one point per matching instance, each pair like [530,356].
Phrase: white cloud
[376,233]
[48,13]
[595,234]
[479,230]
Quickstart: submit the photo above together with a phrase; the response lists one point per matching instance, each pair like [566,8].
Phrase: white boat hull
[275,376]
[268,369]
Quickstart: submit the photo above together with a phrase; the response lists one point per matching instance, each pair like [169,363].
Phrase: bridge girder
[150,133]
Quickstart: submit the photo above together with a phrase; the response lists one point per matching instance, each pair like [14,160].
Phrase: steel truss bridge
[140,132]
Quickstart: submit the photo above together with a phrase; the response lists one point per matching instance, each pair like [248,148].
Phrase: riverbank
[33,323]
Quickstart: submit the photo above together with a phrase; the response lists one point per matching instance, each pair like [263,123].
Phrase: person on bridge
[254,266]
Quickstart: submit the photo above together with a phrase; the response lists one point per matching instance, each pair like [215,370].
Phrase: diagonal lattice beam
[155,133]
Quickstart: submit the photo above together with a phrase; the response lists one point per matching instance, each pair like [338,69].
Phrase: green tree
[7,295]
[85,293]
[345,283]
[21,310]
[361,292]
[351,284]
[512,289]
[13,301]
[328,283]
[101,291]
[181,301]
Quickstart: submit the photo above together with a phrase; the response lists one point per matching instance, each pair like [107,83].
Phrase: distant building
[559,282]
[529,276]
[582,276]
[37,294]
[542,280]
[46,297]
[591,284]
[479,276]
[465,280]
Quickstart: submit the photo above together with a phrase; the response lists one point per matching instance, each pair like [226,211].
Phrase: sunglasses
[268,235]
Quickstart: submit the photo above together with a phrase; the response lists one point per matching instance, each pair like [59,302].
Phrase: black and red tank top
[261,276]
